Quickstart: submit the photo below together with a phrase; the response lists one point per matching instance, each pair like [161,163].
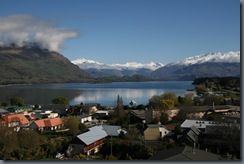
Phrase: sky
[120,31]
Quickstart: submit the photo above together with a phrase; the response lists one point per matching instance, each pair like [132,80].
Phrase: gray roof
[83,116]
[184,153]
[112,130]
[3,111]
[197,123]
[94,134]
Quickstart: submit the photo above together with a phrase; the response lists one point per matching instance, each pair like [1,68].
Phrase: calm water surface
[105,94]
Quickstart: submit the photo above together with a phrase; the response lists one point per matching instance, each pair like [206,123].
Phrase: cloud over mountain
[25,29]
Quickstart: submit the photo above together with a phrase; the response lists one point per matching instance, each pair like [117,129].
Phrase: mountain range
[210,64]
[32,64]
[97,69]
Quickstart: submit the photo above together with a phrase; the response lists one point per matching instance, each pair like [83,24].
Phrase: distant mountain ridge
[97,69]
[210,64]
[229,57]
[207,65]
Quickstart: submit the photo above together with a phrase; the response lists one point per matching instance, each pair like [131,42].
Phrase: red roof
[48,122]
[8,118]
[170,127]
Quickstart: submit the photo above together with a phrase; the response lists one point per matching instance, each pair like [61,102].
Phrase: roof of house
[83,116]
[94,134]
[139,113]
[112,130]
[197,123]
[48,122]
[170,127]
[14,118]
[184,153]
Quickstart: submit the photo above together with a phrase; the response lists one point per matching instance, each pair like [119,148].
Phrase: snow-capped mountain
[230,57]
[85,64]
[97,69]
[207,65]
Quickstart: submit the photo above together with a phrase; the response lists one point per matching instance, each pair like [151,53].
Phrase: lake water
[104,94]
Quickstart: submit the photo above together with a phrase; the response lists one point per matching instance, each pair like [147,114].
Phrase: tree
[119,115]
[8,142]
[165,100]
[17,101]
[170,96]
[168,104]
[217,100]
[200,89]
[73,124]
[155,102]
[28,139]
[60,100]
[164,118]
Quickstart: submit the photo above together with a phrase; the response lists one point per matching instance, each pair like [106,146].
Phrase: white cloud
[29,29]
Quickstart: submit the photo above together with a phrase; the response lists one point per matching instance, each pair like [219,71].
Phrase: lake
[104,94]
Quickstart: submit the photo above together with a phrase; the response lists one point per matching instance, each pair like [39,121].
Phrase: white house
[84,118]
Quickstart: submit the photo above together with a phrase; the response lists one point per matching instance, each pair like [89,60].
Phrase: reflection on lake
[105,94]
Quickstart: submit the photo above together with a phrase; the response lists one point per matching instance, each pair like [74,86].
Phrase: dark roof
[83,116]
[184,153]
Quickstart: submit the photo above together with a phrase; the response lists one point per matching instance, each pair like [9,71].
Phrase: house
[184,153]
[60,109]
[13,120]
[113,130]
[190,137]
[144,116]
[91,141]
[88,142]
[19,109]
[200,124]
[47,124]
[3,111]
[155,132]
[84,118]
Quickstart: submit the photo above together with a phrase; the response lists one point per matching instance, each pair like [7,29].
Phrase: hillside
[36,65]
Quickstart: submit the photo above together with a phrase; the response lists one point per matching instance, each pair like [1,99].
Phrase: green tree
[168,104]
[155,102]
[164,118]
[73,124]
[60,100]
[200,89]
[17,101]
[170,96]
[217,100]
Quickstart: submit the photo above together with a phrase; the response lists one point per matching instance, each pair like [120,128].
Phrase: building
[47,124]
[155,132]
[84,118]
[13,120]
[91,141]
[200,124]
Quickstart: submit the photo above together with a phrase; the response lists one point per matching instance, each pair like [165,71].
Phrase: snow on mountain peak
[84,63]
[230,57]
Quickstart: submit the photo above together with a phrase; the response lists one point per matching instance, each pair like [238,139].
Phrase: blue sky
[119,31]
